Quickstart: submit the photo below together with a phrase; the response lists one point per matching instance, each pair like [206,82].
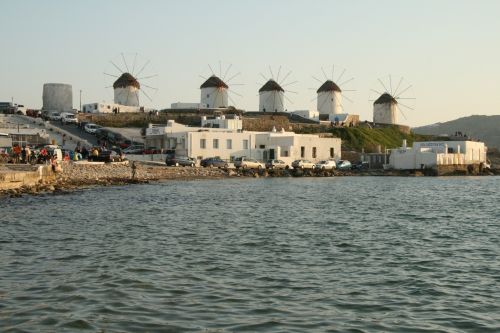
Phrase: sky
[448,52]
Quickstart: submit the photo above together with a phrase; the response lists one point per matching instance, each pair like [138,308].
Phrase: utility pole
[80,100]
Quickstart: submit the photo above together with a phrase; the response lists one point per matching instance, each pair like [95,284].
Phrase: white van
[69,118]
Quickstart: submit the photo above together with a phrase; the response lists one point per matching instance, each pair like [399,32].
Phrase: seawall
[17,176]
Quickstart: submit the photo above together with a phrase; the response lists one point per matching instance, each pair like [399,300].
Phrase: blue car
[344,165]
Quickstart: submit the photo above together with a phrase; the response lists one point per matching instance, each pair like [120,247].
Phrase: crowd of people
[45,154]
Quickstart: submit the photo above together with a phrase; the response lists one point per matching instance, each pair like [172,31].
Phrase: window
[203,143]
[262,146]
[208,95]
[229,144]
[332,152]
[302,151]
[245,144]
[216,144]
[285,153]
[314,152]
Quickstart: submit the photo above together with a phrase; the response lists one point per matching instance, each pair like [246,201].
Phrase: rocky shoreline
[76,176]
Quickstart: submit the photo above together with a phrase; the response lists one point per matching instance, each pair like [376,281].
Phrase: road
[75,130]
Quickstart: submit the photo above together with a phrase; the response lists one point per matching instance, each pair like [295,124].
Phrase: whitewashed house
[229,141]
[104,107]
[430,154]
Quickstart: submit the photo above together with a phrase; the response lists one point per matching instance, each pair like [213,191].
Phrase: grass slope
[358,138]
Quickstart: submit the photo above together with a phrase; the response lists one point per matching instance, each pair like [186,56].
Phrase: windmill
[131,76]
[387,105]
[215,91]
[272,93]
[329,94]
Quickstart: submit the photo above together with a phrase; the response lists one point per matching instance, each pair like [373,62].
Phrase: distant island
[484,128]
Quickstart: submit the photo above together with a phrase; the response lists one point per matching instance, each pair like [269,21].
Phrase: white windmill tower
[272,93]
[329,94]
[126,90]
[387,105]
[271,97]
[131,80]
[215,91]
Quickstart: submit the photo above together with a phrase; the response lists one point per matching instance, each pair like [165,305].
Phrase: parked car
[152,150]
[360,165]
[54,116]
[344,165]
[325,165]
[91,128]
[213,162]
[106,156]
[276,164]
[69,118]
[247,163]
[180,161]
[134,149]
[303,164]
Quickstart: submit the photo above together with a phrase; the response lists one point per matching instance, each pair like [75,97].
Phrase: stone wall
[15,177]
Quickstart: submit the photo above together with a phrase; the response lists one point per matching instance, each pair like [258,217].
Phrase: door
[271,154]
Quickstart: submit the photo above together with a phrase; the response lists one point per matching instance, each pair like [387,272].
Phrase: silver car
[303,164]
[325,165]
[247,163]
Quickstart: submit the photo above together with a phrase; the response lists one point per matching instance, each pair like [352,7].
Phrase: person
[53,163]
[85,152]
[17,153]
[27,151]
[43,155]
[23,155]
[134,168]
[94,154]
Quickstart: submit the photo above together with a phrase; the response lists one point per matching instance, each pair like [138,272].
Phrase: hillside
[357,138]
[484,128]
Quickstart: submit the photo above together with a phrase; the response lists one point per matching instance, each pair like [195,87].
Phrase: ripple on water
[290,255]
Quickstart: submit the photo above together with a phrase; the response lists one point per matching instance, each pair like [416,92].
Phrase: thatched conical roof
[328,86]
[214,82]
[271,85]
[385,98]
[126,80]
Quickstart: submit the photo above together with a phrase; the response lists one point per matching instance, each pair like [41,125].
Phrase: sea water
[356,254]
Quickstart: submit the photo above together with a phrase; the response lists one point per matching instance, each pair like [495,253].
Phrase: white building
[229,143]
[430,154]
[214,93]
[222,122]
[271,97]
[385,110]
[104,107]
[126,90]
[329,99]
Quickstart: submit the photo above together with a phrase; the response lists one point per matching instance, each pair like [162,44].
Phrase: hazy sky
[449,51]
